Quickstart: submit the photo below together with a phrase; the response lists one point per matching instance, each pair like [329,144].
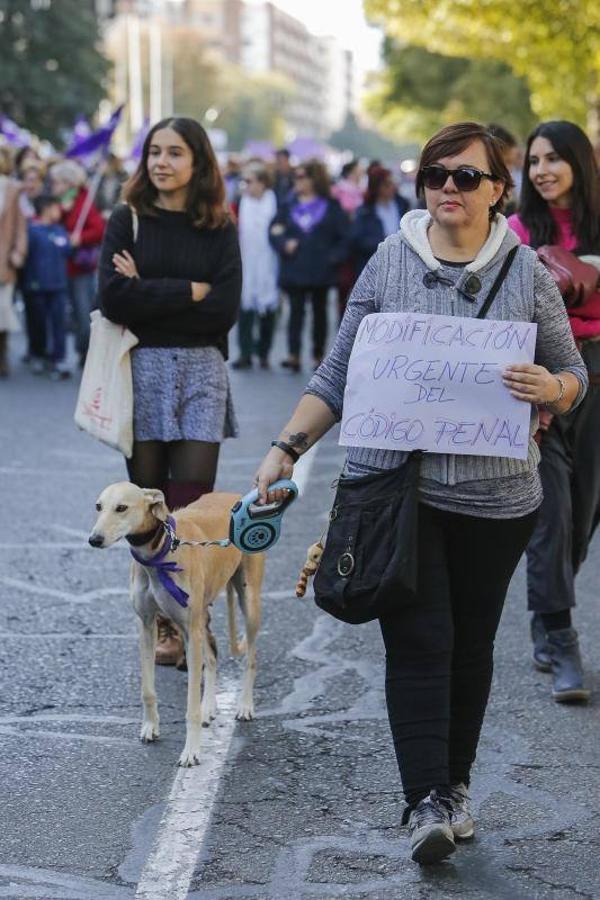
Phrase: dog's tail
[237,647]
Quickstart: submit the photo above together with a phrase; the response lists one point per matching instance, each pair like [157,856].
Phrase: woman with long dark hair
[310,233]
[171,272]
[378,217]
[560,205]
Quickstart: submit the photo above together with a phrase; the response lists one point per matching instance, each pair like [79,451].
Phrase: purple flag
[81,129]
[135,153]
[96,141]
[13,134]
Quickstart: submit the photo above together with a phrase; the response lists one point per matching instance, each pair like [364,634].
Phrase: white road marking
[170,867]
[42,590]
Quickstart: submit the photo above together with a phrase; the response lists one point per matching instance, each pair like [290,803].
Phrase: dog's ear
[155,501]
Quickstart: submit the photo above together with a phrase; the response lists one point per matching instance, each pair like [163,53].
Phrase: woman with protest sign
[560,207]
[476,512]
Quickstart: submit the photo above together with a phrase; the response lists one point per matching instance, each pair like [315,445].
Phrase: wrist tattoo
[299,440]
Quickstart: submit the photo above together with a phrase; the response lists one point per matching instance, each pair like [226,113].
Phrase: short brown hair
[319,176]
[258,169]
[453,139]
[205,204]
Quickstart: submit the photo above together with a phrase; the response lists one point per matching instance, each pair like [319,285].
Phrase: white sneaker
[461,819]
[37,366]
[60,372]
[431,835]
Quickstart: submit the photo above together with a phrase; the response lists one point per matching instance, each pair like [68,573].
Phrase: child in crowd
[45,281]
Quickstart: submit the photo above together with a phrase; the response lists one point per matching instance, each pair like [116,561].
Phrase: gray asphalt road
[307,801]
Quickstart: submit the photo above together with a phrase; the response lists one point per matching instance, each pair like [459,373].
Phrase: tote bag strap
[498,283]
[135,223]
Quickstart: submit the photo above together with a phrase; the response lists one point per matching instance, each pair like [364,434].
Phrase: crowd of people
[193,249]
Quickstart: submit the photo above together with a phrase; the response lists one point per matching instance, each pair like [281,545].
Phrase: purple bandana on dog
[164,568]
[308,215]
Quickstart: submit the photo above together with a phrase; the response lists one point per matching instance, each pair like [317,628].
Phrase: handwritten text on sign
[435,383]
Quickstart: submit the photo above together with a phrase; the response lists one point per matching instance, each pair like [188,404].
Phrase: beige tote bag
[105,402]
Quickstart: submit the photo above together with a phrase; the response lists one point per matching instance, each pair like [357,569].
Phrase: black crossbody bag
[370,561]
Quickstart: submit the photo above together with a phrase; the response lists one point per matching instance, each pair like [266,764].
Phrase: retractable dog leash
[252,528]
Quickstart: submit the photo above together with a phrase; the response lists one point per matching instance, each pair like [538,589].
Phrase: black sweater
[169,254]
[315,261]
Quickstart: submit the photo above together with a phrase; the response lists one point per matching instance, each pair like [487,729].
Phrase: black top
[319,254]
[169,254]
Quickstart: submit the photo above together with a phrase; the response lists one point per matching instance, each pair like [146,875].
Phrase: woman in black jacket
[171,272]
[311,235]
[378,217]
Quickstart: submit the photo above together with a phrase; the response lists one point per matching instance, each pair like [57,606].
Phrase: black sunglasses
[466,178]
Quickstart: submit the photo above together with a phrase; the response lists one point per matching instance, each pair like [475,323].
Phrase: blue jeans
[49,307]
[82,292]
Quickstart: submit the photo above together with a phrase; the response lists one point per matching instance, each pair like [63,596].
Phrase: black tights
[439,652]
[184,470]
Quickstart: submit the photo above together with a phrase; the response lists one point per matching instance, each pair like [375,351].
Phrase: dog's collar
[138,540]
[163,569]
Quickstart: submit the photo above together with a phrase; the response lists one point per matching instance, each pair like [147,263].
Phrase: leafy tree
[249,106]
[553,44]
[51,67]
[425,90]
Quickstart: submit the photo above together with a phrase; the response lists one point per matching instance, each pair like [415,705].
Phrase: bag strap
[498,283]
[135,223]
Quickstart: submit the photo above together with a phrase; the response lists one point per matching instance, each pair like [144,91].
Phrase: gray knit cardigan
[394,281]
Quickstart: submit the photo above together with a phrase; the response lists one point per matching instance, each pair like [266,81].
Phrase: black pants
[570,513]
[439,652]
[251,343]
[299,297]
[35,324]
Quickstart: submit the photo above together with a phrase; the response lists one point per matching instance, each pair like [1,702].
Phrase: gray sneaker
[461,818]
[431,835]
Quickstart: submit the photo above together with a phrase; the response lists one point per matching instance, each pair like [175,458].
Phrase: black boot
[539,636]
[567,670]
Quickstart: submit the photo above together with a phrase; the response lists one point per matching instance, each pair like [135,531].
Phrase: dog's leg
[191,752]
[208,708]
[245,710]
[147,634]
[235,585]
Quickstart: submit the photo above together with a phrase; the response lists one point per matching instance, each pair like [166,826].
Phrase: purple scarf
[164,568]
[308,215]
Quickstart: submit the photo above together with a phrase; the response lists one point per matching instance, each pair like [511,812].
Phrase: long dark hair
[572,145]
[205,203]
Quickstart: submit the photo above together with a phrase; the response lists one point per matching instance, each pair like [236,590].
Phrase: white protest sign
[435,383]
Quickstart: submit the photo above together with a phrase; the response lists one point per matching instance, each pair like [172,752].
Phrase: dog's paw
[238,648]
[208,714]
[245,712]
[190,757]
[150,732]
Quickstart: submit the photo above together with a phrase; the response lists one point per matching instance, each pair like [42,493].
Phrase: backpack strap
[497,283]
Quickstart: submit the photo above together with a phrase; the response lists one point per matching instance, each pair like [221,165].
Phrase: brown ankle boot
[169,647]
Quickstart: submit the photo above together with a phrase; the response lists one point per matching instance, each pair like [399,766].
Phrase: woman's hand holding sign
[535,384]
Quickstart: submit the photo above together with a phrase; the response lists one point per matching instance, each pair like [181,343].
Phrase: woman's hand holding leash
[276,464]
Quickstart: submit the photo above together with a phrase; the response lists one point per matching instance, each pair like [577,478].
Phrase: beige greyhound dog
[194,576]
